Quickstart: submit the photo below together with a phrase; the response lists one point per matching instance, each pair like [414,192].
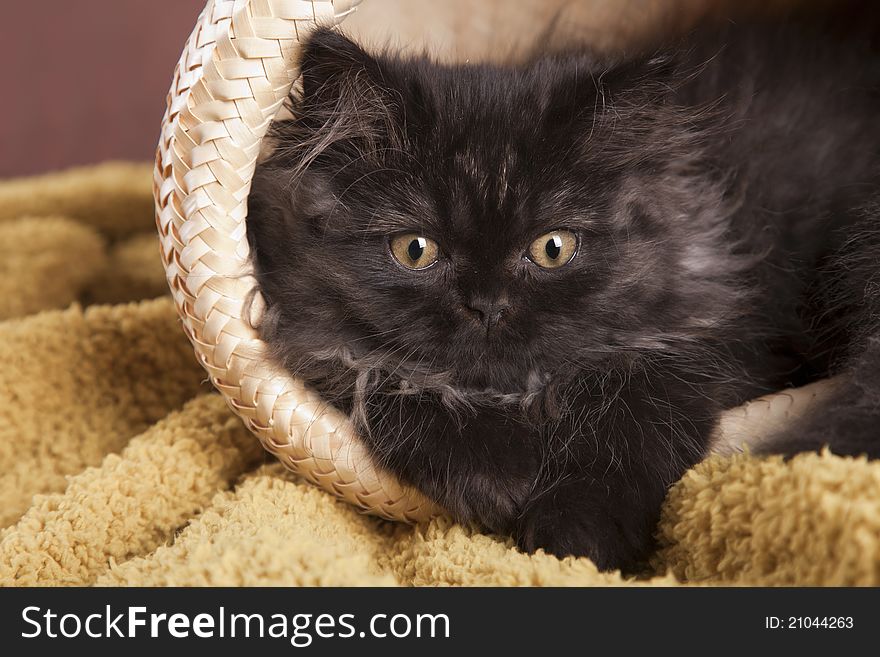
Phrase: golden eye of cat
[414,251]
[553,249]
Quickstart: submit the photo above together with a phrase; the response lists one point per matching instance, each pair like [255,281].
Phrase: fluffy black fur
[721,189]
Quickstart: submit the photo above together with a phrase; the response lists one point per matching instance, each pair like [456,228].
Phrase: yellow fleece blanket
[120,466]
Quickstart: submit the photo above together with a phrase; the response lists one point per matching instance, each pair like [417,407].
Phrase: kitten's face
[482,223]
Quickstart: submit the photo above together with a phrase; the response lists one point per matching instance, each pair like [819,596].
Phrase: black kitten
[535,287]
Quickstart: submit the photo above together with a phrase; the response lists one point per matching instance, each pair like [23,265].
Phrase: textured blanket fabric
[119,465]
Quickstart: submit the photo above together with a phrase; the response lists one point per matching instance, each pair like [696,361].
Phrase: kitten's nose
[487,311]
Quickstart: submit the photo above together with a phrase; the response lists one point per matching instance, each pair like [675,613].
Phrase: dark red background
[85,80]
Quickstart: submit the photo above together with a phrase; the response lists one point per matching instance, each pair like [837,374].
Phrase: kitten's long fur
[724,191]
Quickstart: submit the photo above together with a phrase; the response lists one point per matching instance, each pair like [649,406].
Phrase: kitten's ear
[345,87]
[591,84]
[597,98]
[333,64]
[346,106]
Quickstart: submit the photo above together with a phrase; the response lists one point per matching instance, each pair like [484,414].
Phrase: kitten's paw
[493,502]
[584,531]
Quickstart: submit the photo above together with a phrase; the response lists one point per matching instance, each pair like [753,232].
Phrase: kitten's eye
[414,251]
[554,249]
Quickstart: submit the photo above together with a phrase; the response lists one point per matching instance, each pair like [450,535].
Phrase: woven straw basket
[236,69]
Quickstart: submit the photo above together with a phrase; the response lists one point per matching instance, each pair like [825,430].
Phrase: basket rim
[235,71]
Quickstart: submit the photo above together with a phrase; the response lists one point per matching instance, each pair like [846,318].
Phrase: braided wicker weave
[236,69]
